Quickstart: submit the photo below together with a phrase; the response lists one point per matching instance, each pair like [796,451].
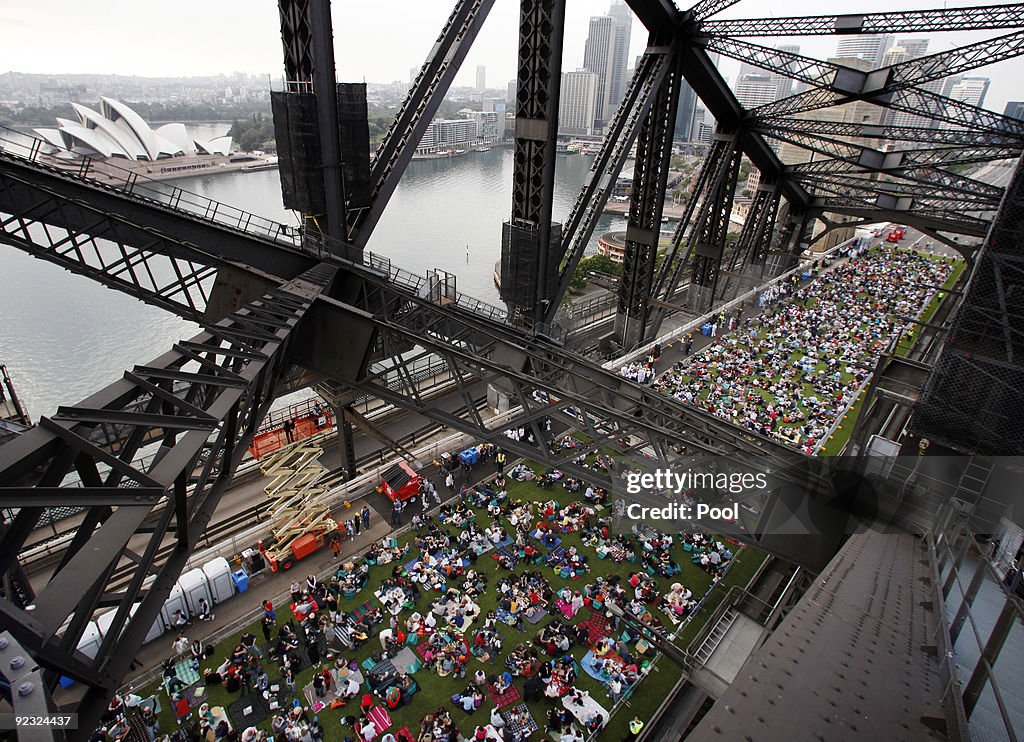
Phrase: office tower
[510,93]
[597,57]
[970,90]
[481,77]
[753,90]
[577,102]
[685,112]
[1014,109]
[605,55]
[617,79]
[905,50]
[784,85]
[413,72]
[869,48]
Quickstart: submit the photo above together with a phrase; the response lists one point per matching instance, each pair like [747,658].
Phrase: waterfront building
[117,131]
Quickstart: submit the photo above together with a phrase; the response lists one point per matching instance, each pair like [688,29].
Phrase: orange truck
[282,556]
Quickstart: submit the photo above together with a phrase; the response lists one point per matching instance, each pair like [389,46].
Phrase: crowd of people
[791,372]
[454,636]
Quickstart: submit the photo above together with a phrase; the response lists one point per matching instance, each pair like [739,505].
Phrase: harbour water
[64,336]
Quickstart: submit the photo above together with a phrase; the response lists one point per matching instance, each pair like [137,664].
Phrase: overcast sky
[375,40]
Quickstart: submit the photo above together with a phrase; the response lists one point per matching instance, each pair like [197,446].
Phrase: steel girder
[615,149]
[231,373]
[913,21]
[532,247]
[896,134]
[756,237]
[308,37]
[541,378]
[122,255]
[643,230]
[404,135]
[720,167]
[972,399]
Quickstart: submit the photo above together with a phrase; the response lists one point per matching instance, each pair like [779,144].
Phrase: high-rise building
[870,48]
[605,55]
[597,57]
[510,94]
[969,90]
[1014,109]
[577,103]
[481,77]
[684,113]
[753,90]
[413,72]
[902,51]
[784,84]
[617,80]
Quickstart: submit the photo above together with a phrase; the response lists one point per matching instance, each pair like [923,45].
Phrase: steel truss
[204,399]
[541,379]
[414,116]
[531,244]
[643,230]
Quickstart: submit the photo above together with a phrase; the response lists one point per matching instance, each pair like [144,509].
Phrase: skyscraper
[905,50]
[481,77]
[1015,109]
[605,55]
[597,57]
[970,90]
[756,89]
[577,102]
[685,112]
[617,80]
[870,48]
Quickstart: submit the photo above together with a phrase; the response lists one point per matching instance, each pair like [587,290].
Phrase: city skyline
[222,44]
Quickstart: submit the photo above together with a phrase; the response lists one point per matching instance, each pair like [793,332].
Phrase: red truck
[400,482]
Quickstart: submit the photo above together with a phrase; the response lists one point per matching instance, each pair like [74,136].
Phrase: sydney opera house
[118,131]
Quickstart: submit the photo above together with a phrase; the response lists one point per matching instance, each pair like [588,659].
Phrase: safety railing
[981,637]
[131,182]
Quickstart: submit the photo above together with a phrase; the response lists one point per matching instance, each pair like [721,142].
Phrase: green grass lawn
[435,690]
[837,441]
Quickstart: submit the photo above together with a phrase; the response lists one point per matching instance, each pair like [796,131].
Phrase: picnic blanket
[565,607]
[384,667]
[394,599]
[316,703]
[518,719]
[504,616]
[482,546]
[186,672]
[504,542]
[510,696]
[512,552]
[585,709]
[249,710]
[363,611]
[380,718]
[598,626]
[538,615]
[589,667]
[539,536]
[404,658]
[404,735]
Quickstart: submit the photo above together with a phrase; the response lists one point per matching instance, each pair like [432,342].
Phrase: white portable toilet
[89,644]
[175,602]
[104,621]
[218,575]
[194,586]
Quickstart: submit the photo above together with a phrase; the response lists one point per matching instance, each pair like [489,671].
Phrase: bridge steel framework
[269,301]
